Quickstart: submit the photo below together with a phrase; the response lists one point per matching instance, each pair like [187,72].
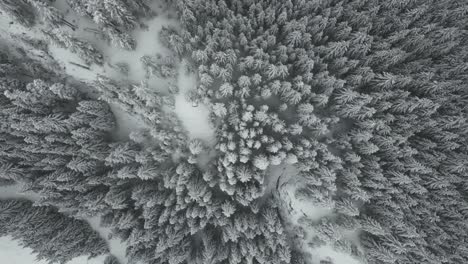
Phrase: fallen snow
[16,192]
[195,118]
[13,253]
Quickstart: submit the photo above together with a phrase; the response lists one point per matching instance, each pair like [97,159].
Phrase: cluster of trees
[51,235]
[29,12]
[258,80]
[153,107]
[115,18]
[161,66]
[366,98]
[56,142]
[86,51]
[405,155]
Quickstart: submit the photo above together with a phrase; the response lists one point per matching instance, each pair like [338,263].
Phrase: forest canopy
[332,131]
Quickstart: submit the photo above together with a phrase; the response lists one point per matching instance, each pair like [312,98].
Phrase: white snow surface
[11,252]
[195,118]
[15,192]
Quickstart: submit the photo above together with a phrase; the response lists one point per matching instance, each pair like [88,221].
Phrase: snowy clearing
[195,118]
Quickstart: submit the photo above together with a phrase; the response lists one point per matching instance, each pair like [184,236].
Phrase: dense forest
[339,130]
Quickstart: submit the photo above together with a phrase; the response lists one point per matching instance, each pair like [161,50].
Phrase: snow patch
[195,118]
[12,252]
[16,192]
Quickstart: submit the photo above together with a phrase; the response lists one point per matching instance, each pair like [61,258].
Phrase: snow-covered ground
[15,192]
[283,180]
[195,118]
[13,253]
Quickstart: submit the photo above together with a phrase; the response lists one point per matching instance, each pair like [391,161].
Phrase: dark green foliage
[51,235]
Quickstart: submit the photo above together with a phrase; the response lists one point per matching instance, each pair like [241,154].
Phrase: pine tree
[84,50]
